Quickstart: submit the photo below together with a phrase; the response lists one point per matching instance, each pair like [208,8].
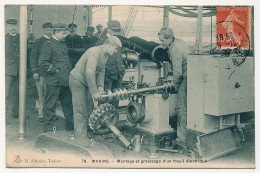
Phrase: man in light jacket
[87,82]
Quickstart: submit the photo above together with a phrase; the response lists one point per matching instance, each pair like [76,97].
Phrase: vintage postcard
[129,86]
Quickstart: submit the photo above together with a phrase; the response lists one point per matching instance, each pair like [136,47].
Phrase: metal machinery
[147,115]
[219,89]
[148,108]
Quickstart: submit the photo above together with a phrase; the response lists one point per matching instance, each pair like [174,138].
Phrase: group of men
[78,73]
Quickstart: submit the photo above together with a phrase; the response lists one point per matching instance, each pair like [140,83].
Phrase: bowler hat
[114,25]
[99,26]
[90,29]
[47,25]
[11,21]
[72,25]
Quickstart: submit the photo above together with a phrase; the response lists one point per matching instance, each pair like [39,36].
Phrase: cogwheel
[101,117]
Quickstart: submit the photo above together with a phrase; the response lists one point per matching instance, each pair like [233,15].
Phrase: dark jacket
[115,66]
[76,48]
[89,41]
[35,53]
[54,60]
[12,54]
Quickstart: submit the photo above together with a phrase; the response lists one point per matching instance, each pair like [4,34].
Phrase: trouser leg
[41,96]
[79,101]
[41,89]
[52,94]
[182,110]
[66,104]
[12,95]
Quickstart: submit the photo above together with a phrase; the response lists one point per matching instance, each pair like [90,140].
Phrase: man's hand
[97,95]
[101,90]
[36,76]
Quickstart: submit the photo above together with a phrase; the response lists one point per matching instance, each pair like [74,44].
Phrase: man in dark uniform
[89,40]
[99,30]
[12,57]
[34,57]
[54,60]
[115,68]
[75,44]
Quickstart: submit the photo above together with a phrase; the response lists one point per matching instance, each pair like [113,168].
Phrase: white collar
[55,38]
[46,36]
[108,35]
[13,34]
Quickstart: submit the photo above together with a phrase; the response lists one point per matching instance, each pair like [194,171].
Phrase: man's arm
[176,58]
[90,72]
[45,57]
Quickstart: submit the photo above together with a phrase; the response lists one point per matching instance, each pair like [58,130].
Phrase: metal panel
[229,89]
[212,91]
[195,92]
[218,143]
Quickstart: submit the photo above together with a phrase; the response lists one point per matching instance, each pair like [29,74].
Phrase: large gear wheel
[101,117]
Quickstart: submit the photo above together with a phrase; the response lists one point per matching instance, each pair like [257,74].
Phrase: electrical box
[217,90]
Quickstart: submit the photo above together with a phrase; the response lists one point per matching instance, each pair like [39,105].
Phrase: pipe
[165,16]
[22,72]
[109,12]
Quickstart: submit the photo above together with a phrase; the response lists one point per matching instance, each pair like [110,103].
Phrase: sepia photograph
[129,86]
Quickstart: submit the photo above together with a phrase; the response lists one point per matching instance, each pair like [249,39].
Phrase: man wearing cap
[12,56]
[87,82]
[115,68]
[99,30]
[34,57]
[55,63]
[89,40]
[178,51]
[75,44]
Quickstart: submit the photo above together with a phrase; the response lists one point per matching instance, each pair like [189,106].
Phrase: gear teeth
[102,107]
[95,111]
[98,110]
[96,115]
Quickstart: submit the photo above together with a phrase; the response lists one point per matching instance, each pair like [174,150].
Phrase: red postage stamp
[234,27]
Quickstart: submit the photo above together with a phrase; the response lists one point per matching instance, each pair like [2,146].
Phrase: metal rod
[165,16]
[109,12]
[22,72]
[211,32]
[90,17]
[139,69]
[116,94]
[199,31]
[146,89]
[120,136]
[165,69]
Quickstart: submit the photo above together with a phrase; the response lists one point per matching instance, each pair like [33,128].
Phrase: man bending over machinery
[178,50]
[87,81]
